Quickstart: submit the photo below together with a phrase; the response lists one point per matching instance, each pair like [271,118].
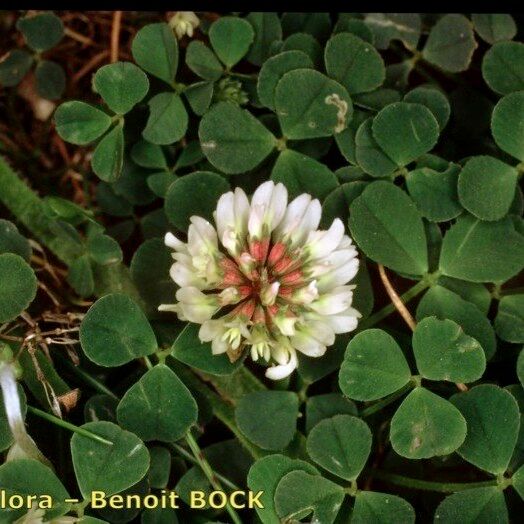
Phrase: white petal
[308,345]
[336,301]
[321,243]
[344,322]
[218,346]
[172,241]
[225,213]
[241,204]
[211,329]
[185,276]
[283,370]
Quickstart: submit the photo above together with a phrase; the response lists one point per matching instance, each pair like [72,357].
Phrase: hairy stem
[209,473]
[67,425]
[427,485]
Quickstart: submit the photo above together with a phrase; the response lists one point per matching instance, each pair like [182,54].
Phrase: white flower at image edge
[265,278]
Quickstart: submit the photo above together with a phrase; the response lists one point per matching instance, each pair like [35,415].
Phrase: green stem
[209,473]
[67,425]
[410,294]
[148,362]
[427,485]
[180,450]
[86,377]
[377,406]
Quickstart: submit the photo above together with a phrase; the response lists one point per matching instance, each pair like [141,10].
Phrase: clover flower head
[265,279]
[184,23]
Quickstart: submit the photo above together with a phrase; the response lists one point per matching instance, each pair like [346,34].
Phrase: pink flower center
[265,278]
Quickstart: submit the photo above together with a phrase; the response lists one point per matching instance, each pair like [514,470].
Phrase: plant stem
[427,485]
[67,425]
[410,294]
[377,406]
[180,450]
[86,377]
[209,473]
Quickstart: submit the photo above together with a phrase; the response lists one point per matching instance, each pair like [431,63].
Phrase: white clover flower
[184,23]
[265,279]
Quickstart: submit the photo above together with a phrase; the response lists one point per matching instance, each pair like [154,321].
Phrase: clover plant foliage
[271,253]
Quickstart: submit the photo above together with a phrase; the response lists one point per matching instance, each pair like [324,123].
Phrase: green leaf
[122,85]
[80,276]
[108,157]
[274,69]
[268,418]
[472,292]
[370,157]
[11,241]
[311,105]
[381,508]
[148,155]
[267,29]
[189,349]
[520,367]
[405,27]
[354,63]
[167,122]
[14,67]
[473,506]
[50,79]
[18,284]
[388,228]
[505,124]
[377,99]
[321,407]
[79,123]
[150,272]
[231,38]
[199,96]
[354,26]
[425,425]
[445,304]
[299,494]
[155,49]
[158,407]
[451,43]
[305,43]
[405,131]
[232,139]
[316,24]
[194,194]
[509,322]
[435,192]
[338,201]
[518,481]
[160,469]
[493,419]
[266,473]
[26,477]
[374,366]
[503,67]
[482,251]
[202,61]
[341,445]
[109,468]
[115,331]
[444,352]
[104,250]
[159,515]
[486,187]
[434,100]
[494,27]
[41,31]
[302,174]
